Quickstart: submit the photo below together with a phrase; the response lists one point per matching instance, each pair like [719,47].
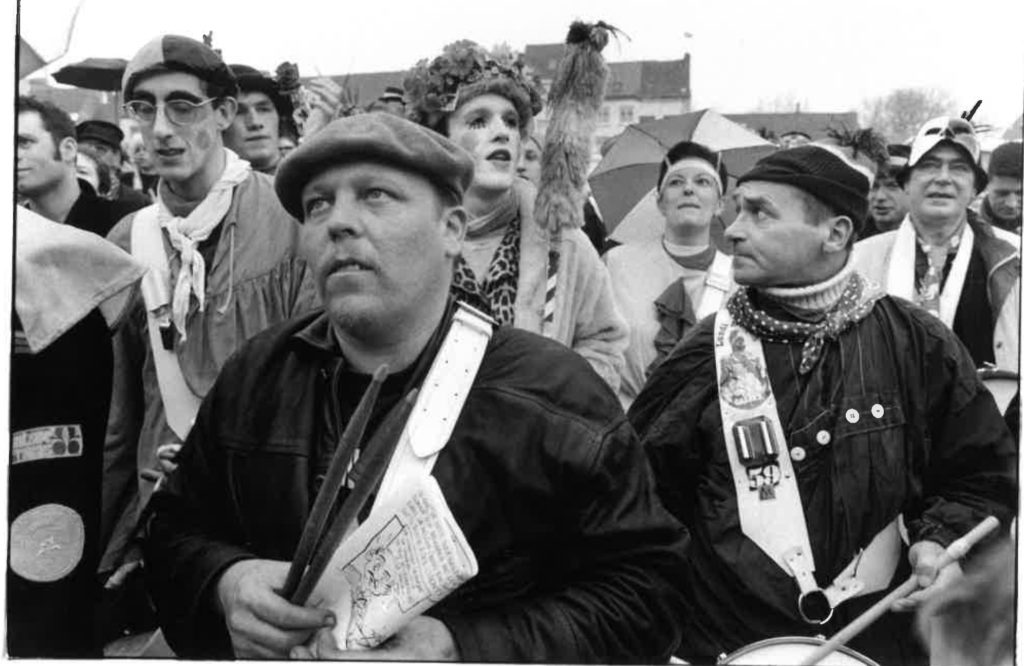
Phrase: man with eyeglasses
[223,267]
[943,256]
[256,129]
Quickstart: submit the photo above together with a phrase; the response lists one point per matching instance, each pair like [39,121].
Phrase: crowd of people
[671,449]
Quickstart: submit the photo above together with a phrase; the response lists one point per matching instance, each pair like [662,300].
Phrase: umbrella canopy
[93,73]
[623,182]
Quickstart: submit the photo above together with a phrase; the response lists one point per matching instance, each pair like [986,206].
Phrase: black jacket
[543,474]
[926,440]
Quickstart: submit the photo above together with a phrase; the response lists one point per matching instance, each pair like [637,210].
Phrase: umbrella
[623,182]
[93,73]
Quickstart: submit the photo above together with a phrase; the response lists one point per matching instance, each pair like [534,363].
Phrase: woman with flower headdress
[528,266]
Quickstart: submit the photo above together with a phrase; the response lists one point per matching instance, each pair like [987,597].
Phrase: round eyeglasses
[178,111]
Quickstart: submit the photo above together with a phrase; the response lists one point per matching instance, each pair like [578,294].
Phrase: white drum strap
[441,398]
[180,404]
[716,286]
[767,495]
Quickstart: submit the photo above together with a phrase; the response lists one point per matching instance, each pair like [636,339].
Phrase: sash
[440,401]
[180,404]
[716,286]
[900,278]
[767,495]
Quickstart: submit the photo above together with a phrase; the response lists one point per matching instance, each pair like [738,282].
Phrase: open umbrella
[623,182]
[93,73]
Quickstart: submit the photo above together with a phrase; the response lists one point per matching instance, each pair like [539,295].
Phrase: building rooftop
[641,79]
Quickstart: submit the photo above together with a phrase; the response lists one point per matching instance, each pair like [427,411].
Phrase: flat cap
[174,53]
[100,130]
[373,137]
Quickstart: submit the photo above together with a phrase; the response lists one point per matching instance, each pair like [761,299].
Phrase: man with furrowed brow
[790,431]
[578,561]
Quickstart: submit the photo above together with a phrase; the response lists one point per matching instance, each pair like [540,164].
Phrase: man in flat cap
[790,431]
[542,474]
[1001,204]
[943,256]
[103,141]
[262,110]
[223,267]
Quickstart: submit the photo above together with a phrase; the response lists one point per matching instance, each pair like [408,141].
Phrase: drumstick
[378,454]
[954,552]
[333,479]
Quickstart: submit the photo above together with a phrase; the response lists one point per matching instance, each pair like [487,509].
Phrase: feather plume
[576,95]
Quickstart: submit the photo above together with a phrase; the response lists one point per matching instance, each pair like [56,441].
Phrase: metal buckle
[811,604]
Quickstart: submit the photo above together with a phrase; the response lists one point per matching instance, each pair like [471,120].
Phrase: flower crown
[432,88]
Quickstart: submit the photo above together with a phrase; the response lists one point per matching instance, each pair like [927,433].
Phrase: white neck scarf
[185,234]
[900,280]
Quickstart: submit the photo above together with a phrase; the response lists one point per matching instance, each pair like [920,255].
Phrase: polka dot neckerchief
[853,305]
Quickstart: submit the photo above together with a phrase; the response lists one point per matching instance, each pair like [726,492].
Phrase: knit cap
[1006,160]
[821,173]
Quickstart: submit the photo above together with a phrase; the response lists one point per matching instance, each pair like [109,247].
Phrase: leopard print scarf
[496,295]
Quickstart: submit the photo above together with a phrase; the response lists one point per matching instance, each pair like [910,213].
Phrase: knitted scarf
[186,233]
[854,304]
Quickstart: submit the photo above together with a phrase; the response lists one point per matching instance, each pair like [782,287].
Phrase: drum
[1002,384]
[791,651]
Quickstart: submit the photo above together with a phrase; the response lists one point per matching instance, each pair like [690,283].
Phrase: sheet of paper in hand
[406,557]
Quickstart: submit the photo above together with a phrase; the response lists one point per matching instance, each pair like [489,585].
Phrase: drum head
[791,651]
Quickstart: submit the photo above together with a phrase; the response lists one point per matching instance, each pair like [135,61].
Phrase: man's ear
[68,150]
[454,219]
[225,111]
[840,231]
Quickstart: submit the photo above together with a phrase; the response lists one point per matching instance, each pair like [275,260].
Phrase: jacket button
[798,453]
[877,411]
[823,437]
[852,415]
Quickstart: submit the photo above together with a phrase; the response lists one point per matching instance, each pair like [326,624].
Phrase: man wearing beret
[542,473]
[262,109]
[103,140]
[790,431]
[223,267]
[942,256]
[1001,205]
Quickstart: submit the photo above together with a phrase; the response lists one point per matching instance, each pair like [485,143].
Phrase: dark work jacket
[65,385]
[96,214]
[544,475]
[940,454]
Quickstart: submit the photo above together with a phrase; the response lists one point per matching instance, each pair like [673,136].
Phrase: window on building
[625,114]
[604,116]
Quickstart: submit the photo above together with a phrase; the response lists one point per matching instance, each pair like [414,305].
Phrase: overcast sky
[828,55]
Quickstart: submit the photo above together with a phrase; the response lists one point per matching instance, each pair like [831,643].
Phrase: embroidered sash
[767,494]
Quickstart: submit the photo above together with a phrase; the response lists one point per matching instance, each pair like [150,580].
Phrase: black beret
[821,173]
[376,137]
[100,130]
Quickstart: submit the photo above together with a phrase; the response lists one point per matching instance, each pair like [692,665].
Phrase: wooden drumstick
[954,552]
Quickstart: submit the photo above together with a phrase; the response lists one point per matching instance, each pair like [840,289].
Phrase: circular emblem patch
[46,542]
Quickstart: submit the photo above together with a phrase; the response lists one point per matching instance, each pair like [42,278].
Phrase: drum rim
[804,640]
